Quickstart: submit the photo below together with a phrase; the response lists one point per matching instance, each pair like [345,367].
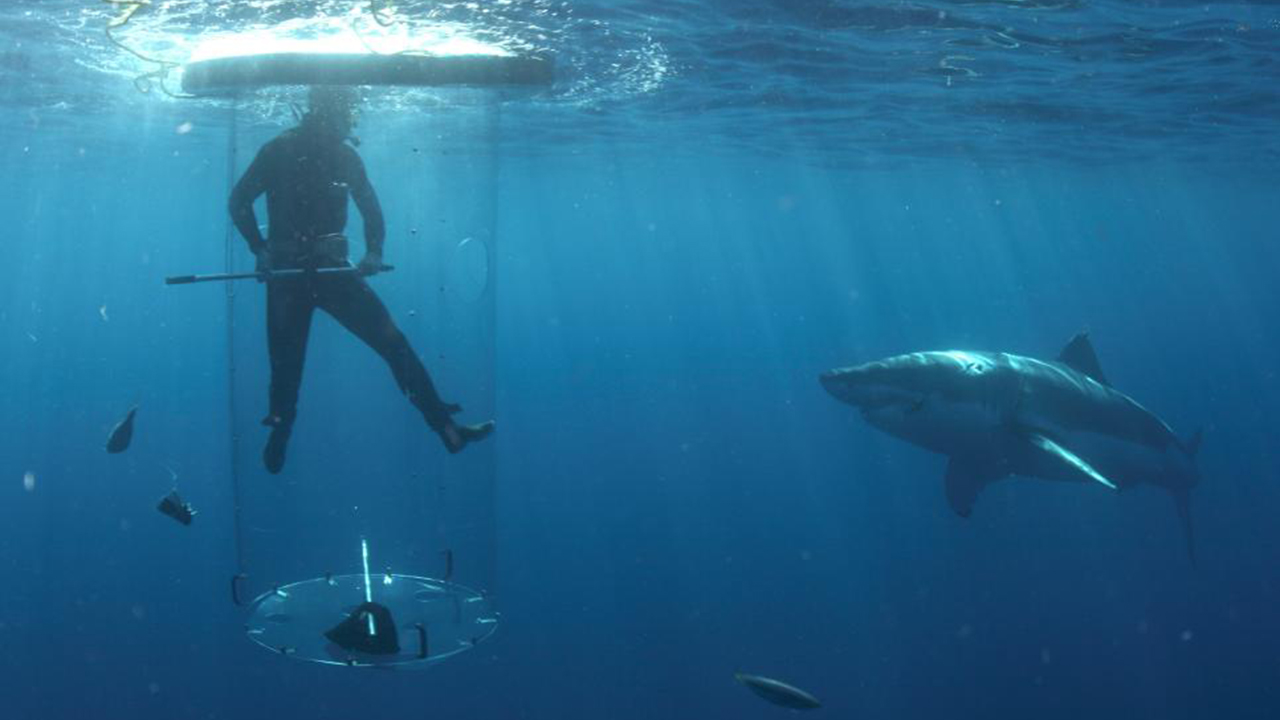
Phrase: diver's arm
[252,184]
[375,228]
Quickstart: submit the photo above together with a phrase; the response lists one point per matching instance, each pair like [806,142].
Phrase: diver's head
[332,111]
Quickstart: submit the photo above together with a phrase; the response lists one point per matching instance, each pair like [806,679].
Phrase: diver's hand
[371,264]
[262,264]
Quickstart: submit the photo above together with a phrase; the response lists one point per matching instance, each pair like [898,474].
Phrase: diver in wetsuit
[307,173]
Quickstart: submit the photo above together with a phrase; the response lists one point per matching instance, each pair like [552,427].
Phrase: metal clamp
[235,588]
[422,640]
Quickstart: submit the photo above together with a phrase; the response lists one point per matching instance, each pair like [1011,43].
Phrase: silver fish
[778,692]
[122,433]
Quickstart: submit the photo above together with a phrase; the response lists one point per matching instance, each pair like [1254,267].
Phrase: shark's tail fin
[1191,446]
[1182,500]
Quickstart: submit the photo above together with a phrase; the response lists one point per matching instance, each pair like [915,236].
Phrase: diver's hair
[330,101]
[322,99]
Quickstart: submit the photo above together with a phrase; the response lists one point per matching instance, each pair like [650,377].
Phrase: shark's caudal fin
[1182,499]
[1079,356]
[1182,496]
[1191,446]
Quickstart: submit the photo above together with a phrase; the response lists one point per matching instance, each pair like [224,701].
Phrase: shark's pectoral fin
[1070,460]
[964,480]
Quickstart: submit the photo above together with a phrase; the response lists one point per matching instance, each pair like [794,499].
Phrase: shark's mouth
[890,400]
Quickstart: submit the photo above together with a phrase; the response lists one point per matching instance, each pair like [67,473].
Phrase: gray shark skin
[996,415]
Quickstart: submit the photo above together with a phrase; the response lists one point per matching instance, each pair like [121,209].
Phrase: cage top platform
[229,75]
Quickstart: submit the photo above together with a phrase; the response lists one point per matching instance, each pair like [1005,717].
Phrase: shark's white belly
[943,426]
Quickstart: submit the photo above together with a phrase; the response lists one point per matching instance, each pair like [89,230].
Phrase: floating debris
[28,481]
[777,692]
[173,506]
[122,433]
[102,310]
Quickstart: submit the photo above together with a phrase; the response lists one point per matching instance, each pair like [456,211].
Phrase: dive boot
[456,437]
[273,453]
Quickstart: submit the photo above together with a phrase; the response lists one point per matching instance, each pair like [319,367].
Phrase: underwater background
[712,204]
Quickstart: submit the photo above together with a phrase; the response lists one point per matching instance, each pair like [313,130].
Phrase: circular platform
[246,72]
[433,619]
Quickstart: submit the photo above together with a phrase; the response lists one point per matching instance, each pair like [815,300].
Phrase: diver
[307,173]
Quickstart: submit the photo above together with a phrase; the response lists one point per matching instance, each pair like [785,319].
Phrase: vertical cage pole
[490,300]
[233,437]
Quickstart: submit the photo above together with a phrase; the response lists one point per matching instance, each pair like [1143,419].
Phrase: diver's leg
[351,301]
[289,309]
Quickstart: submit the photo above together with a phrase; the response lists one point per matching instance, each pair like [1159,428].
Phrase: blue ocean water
[713,203]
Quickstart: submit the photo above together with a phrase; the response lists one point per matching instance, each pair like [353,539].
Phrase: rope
[143,82]
[377,8]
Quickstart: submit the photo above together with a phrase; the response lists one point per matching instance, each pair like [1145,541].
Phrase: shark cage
[373,545]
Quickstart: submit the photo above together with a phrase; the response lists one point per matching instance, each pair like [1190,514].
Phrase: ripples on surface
[841,82]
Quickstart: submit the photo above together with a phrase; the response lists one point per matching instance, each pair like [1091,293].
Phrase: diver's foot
[273,453]
[456,437]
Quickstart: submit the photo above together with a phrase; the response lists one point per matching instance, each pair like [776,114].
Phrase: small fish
[173,506]
[122,433]
[777,692]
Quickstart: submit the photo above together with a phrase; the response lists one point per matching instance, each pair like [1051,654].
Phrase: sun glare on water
[339,35]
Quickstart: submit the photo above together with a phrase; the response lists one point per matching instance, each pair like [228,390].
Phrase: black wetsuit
[307,182]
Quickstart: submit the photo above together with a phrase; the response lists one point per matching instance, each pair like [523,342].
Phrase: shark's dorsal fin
[1064,455]
[1079,356]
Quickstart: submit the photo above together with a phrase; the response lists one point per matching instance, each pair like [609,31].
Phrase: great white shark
[996,415]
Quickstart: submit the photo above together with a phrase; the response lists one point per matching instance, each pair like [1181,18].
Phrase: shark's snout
[828,380]
[845,384]
[872,387]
